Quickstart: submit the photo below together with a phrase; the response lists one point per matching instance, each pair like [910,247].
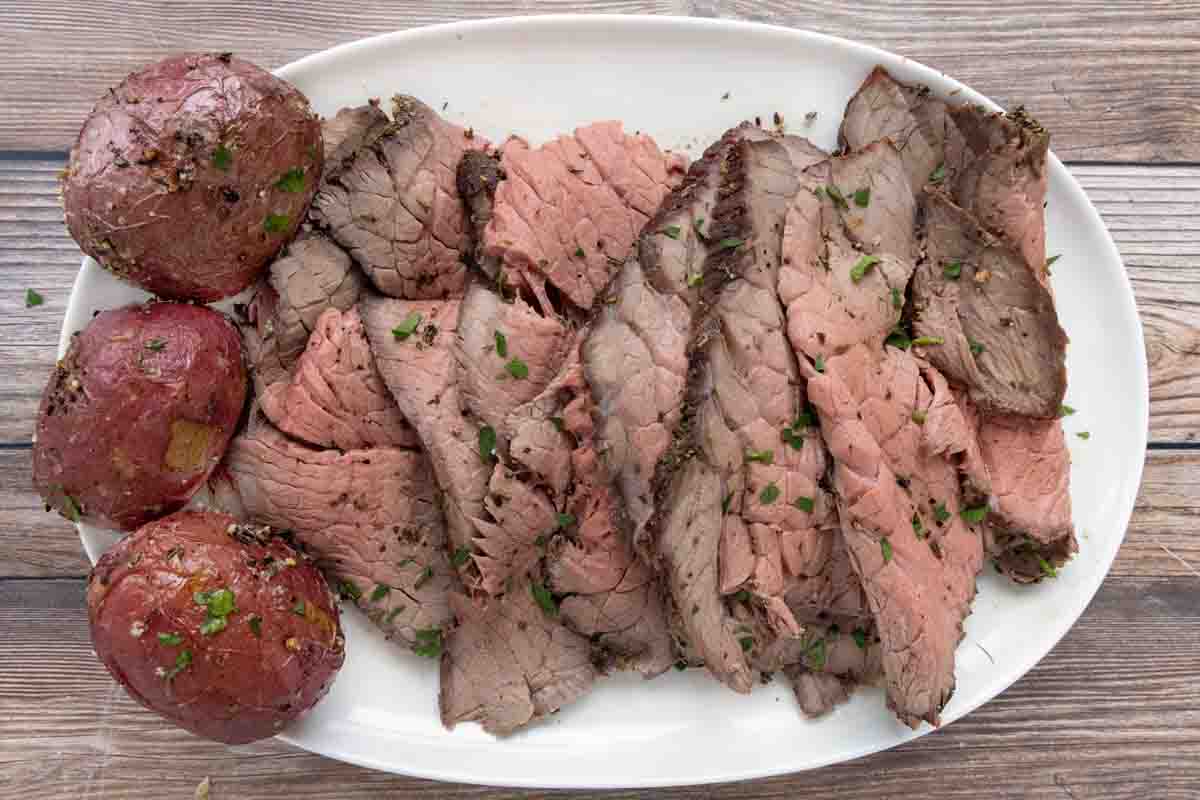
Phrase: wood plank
[1111,713]
[1057,58]
[1152,212]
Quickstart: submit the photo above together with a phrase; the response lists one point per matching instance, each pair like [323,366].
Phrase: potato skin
[175,180]
[138,413]
[244,682]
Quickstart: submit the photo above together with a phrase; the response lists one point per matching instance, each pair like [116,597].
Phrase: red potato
[190,176]
[224,629]
[138,413]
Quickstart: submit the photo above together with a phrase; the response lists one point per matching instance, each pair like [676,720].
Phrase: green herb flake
[976,347]
[927,341]
[182,662]
[423,578]
[815,656]
[761,456]
[835,194]
[860,638]
[382,590]
[698,225]
[819,364]
[579,252]
[391,615]
[517,368]
[730,243]
[769,494]
[558,423]
[805,504]
[222,158]
[864,265]
[71,508]
[1048,569]
[1065,411]
[671,231]
[565,520]
[170,639]
[918,526]
[300,608]
[681,665]
[1084,435]
[292,181]
[862,198]
[940,513]
[429,643]
[725,503]
[741,596]
[487,443]
[952,271]
[276,223]
[938,174]
[33,299]
[919,416]
[408,326]
[897,299]
[974,514]
[213,626]
[695,279]
[540,541]
[793,436]
[255,623]
[1051,260]
[460,556]
[747,643]
[155,345]
[349,590]
[886,547]
[543,598]
[898,339]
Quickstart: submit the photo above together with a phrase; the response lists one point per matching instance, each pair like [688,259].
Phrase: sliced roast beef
[350,129]
[509,663]
[335,396]
[394,206]
[832,663]
[370,517]
[997,324]
[568,211]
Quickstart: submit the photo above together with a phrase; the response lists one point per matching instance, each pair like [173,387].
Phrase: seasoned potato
[224,629]
[138,412]
[191,175]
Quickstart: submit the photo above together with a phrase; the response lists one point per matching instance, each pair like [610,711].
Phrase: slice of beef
[1000,332]
[568,211]
[818,693]
[1030,533]
[335,396]
[509,663]
[311,276]
[823,587]
[351,129]
[370,517]
[394,206]
[506,544]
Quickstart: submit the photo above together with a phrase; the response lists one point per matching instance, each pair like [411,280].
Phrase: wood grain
[1092,720]
[1058,59]
[1151,212]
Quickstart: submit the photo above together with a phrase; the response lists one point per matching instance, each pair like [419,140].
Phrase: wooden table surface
[1112,712]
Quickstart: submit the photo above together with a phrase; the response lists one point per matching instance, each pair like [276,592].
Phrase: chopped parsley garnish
[395,612]
[213,625]
[938,174]
[425,575]
[897,299]
[501,345]
[864,265]
[406,562]
[698,224]
[886,547]
[255,623]
[71,508]
[919,416]
[33,299]
[862,198]
[940,513]
[222,158]
[219,602]
[1065,411]
[182,662]
[300,608]
[769,494]
[292,181]
[1052,259]
[918,526]
[170,639]
[540,541]
[155,345]
[898,338]
[276,223]
[860,638]
[761,456]
[579,252]
[1084,435]
[1048,569]
[460,556]
[819,364]
[725,503]
[408,326]
[729,244]
[952,271]
[793,435]
[349,590]
[558,423]
[429,643]
[382,590]
[695,279]
[974,514]
[747,643]
[543,598]
[926,341]
[815,655]
[805,504]
[565,520]
[835,194]
[681,665]
[976,347]
[487,443]
[671,230]
[517,368]
[741,596]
